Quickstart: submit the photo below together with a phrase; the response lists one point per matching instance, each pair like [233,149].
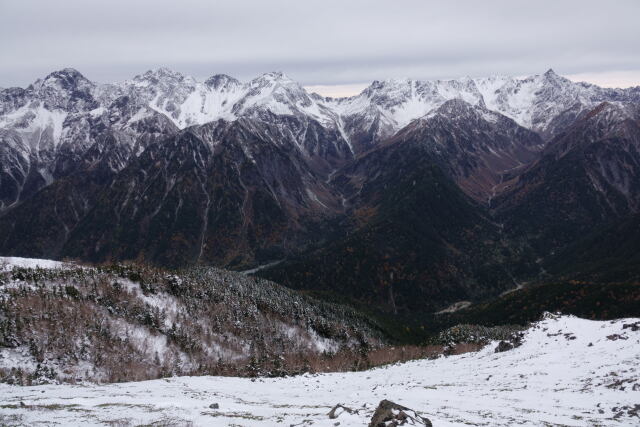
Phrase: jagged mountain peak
[161,73]
[459,115]
[275,82]
[165,78]
[459,110]
[222,81]
[66,75]
[395,103]
[389,83]
[276,93]
[551,77]
[384,91]
[66,89]
[272,79]
[547,102]
[274,76]
[66,79]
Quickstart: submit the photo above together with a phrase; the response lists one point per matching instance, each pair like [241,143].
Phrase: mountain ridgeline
[407,197]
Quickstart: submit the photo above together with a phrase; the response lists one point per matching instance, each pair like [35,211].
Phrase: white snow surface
[12,261]
[37,121]
[569,371]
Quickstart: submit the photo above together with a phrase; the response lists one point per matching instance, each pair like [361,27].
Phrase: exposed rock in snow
[389,414]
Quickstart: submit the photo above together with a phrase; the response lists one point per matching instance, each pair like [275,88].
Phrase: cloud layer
[316,42]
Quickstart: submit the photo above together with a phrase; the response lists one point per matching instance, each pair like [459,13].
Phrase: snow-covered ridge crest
[189,102]
[530,101]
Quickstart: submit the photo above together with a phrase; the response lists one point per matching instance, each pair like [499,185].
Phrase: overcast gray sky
[321,42]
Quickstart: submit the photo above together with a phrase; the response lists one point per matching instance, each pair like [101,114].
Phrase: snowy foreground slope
[569,371]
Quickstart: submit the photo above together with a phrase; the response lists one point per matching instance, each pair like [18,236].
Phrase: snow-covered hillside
[9,262]
[60,322]
[568,371]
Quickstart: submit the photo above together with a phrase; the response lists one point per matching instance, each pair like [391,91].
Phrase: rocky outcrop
[514,341]
[390,414]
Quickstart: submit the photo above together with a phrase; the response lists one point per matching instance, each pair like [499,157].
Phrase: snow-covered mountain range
[44,112]
[170,170]
[53,122]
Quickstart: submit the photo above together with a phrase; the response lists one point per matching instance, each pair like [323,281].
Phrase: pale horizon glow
[613,79]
